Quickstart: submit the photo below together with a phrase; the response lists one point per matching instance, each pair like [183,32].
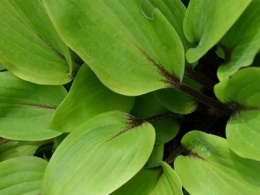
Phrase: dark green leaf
[176,101]
[156,156]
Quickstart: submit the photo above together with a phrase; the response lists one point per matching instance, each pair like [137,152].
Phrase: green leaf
[156,157]
[166,129]
[173,10]
[146,106]
[160,180]
[147,53]
[30,47]
[1,67]
[57,140]
[11,149]
[242,41]
[176,101]
[27,108]
[207,21]
[212,168]
[242,91]
[100,156]
[87,98]
[22,175]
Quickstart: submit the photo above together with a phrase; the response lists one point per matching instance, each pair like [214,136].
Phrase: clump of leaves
[129,97]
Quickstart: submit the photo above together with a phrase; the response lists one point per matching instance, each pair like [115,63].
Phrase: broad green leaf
[100,156]
[156,157]
[30,47]
[242,91]
[210,167]
[156,181]
[242,41]
[146,107]
[27,108]
[22,175]
[87,98]
[207,21]
[11,149]
[173,10]
[130,53]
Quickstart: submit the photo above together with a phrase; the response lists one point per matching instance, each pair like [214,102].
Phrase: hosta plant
[129,97]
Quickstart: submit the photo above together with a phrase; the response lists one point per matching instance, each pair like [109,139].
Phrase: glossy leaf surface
[22,175]
[100,156]
[87,98]
[212,168]
[146,51]
[27,108]
[160,180]
[207,21]
[242,41]
[29,45]
[242,130]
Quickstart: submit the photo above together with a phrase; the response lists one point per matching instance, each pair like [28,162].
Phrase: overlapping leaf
[176,101]
[130,53]
[99,156]
[212,168]
[242,41]
[27,108]
[166,129]
[173,10]
[156,157]
[242,92]
[11,149]
[160,180]
[29,45]
[207,21]
[22,175]
[87,98]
